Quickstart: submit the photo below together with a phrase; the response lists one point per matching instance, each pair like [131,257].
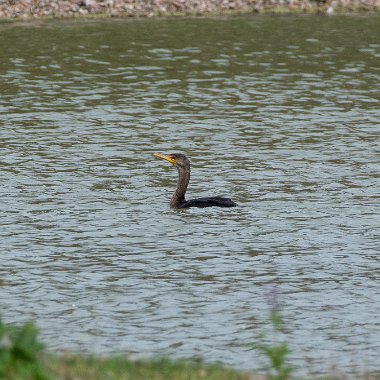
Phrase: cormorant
[178,199]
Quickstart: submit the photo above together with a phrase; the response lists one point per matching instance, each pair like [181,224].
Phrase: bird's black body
[209,202]
[178,199]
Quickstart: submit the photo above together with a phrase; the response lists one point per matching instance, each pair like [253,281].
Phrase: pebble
[69,8]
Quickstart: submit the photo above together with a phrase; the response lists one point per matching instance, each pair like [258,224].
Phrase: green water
[279,113]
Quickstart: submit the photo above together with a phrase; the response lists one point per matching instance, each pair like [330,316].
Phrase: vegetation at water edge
[22,357]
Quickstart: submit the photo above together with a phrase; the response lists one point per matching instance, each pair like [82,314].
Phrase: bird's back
[209,202]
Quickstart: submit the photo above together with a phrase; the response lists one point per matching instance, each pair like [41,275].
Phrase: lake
[279,113]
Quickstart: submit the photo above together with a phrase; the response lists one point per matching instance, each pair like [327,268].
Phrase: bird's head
[177,159]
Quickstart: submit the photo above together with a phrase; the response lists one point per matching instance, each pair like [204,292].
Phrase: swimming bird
[178,200]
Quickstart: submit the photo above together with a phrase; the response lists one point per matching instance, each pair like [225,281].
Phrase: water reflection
[281,114]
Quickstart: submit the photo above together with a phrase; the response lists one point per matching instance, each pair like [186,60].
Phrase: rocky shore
[25,9]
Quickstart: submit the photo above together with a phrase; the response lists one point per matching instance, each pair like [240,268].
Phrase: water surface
[281,114]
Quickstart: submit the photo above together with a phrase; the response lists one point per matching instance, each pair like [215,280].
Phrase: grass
[78,367]
[278,367]
[22,357]
[71,367]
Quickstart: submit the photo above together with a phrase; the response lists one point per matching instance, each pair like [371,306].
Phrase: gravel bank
[70,8]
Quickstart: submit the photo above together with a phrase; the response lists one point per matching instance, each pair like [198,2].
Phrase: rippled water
[281,114]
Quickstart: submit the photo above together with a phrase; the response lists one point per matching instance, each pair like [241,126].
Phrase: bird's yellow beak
[164,157]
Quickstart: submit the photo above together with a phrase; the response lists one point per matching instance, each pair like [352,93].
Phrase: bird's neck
[183,181]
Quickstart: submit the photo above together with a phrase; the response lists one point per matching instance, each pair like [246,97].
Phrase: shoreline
[40,9]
